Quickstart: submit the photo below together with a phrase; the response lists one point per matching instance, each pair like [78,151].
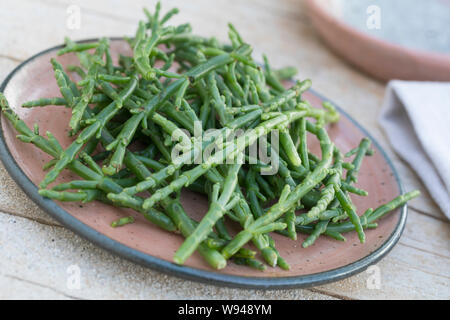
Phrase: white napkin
[416,118]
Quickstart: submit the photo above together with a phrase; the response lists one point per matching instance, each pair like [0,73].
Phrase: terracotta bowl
[381,59]
[327,260]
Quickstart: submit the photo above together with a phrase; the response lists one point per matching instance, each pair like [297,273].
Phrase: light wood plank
[418,267]
[404,274]
[19,289]
[428,234]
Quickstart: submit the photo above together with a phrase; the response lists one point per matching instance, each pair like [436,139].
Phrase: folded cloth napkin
[416,118]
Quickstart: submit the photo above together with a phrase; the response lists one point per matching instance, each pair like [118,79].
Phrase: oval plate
[326,261]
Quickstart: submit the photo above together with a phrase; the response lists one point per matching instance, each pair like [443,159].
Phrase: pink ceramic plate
[327,260]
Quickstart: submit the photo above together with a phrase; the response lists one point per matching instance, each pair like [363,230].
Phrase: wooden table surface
[36,251]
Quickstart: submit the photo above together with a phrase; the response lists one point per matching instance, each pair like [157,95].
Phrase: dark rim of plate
[205,276]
